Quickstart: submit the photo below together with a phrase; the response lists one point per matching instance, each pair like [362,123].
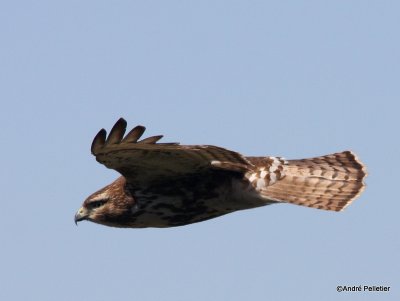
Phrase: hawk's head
[109,206]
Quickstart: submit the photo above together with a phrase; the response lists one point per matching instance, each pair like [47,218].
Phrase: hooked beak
[81,215]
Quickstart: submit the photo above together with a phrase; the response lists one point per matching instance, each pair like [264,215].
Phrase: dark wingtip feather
[117,132]
[151,140]
[134,134]
[98,141]
[101,142]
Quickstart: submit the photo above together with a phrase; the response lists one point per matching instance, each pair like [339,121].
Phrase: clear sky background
[290,78]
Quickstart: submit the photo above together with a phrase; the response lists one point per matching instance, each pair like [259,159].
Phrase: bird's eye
[97,204]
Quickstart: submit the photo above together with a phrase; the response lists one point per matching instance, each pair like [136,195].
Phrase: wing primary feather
[168,143]
[134,134]
[98,141]
[117,132]
[150,140]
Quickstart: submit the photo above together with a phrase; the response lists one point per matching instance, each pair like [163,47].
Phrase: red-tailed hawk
[167,184]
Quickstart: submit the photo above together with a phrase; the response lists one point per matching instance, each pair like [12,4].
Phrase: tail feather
[329,182]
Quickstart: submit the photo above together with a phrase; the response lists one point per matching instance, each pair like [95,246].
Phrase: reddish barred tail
[330,182]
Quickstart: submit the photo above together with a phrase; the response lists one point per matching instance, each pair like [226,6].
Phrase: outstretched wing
[145,162]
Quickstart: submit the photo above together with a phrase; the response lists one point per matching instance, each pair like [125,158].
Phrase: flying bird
[168,184]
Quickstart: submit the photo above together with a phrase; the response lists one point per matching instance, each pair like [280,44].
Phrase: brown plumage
[167,184]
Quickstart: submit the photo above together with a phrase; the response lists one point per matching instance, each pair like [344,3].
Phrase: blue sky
[290,78]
